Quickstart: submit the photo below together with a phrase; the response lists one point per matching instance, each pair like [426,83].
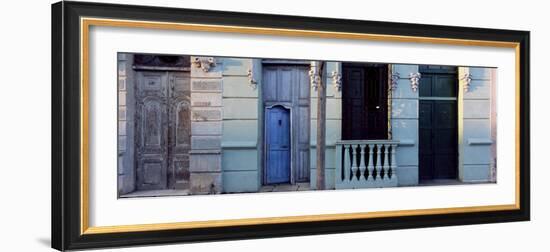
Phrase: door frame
[170,175]
[264,147]
[262,106]
[388,92]
[459,119]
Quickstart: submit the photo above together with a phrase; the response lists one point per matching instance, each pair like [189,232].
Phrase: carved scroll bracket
[394,80]
[466,80]
[415,80]
[336,81]
[204,63]
[251,81]
[315,75]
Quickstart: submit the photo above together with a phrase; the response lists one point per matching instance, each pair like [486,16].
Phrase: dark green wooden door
[438,140]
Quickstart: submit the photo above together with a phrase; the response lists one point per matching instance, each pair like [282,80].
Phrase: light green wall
[240,165]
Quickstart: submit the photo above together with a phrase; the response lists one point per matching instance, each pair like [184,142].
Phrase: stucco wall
[333,127]
[404,124]
[477,134]
[206,116]
[126,172]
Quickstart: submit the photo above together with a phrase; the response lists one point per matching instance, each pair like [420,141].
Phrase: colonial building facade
[202,125]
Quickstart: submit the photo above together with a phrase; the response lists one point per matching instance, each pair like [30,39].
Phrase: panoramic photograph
[198,125]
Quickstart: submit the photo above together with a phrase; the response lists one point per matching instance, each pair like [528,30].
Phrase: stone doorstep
[156,193]
[304,187]
[277,188]
[267,188]
[439,182]
[184,192]
[286,187]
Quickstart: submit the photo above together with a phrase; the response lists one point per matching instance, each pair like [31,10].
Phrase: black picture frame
[66,125]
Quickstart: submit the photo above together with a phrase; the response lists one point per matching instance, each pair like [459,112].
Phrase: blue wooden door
[278,145]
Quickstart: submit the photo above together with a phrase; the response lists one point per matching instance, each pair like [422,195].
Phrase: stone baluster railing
[366,163]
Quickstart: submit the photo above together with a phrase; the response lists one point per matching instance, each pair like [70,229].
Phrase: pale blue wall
[404,123]
[333,127]
[475,134]
[241,163]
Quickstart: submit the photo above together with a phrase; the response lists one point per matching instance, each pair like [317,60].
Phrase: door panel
[377,103]
[162,129]
[438,138]
[154,173]
[445,140]
[425,140]
[354,119]
[152,124]
[425,87]
[179,129]
[443,86]
[152,133]
[278,145]
[269,84]
[301,117]
[284,84]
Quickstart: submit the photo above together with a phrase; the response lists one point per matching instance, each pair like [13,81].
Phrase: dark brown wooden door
[364,104]
[438,139]
[162,130]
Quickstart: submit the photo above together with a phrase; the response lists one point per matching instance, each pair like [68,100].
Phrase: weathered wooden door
[278,145]
[438,140]
[364,110]
[162,130]
[288,85]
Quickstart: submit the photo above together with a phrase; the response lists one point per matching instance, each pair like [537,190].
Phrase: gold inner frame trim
[86,23]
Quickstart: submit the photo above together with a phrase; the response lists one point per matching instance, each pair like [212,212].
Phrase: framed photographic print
[180,125]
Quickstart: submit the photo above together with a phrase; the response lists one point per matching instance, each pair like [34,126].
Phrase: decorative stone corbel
[394,80]
[466,80]
[251,81]
[415,80]
[314,75]
[336,81]
[204,63]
